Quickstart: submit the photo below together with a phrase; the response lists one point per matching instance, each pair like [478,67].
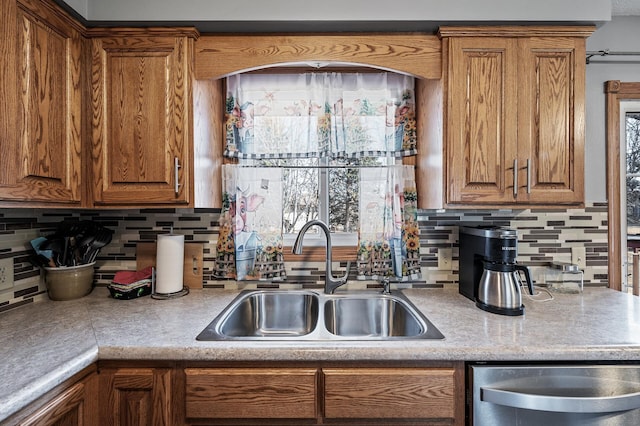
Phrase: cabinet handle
[176,168]
[563,404]
[515,178]
[528,176]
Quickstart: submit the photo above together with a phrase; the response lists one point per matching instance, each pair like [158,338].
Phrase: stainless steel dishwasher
[550,395]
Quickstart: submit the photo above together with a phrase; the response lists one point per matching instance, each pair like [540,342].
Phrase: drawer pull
[176,167]
[515,178]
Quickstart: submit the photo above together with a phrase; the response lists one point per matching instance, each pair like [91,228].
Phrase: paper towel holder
[165,296]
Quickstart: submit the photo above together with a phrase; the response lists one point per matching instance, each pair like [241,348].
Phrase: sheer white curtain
[250,239]
[320,114]
[389,235]
[273,118]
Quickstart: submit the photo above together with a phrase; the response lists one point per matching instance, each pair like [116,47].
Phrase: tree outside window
[633,172]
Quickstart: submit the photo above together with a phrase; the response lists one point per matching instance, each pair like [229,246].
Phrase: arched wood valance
[419,55]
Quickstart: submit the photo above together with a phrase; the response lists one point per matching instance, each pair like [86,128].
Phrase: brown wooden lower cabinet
[73,403]
[383,393]
[135,396]
[332,394]
[156,393]
[70,408]
[234,393]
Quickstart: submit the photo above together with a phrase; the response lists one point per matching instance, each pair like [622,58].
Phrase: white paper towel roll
[169,263]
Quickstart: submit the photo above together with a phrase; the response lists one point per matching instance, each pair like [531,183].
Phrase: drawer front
[251,393]
[386,393]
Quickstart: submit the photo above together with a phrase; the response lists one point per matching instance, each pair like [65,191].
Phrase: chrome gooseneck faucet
[330,283]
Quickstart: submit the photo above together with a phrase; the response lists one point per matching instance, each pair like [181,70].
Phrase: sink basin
[267,314]
[370,316]
[307,315]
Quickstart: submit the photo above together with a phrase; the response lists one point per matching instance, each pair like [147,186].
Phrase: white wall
[80,6]
[340,10]
[621,34]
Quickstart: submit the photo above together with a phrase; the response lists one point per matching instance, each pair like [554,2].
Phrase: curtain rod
[607,52]
[315,167]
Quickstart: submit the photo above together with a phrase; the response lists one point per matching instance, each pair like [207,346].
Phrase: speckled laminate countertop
[43,344]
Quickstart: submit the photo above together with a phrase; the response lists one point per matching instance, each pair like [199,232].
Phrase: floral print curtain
[389,235]
[250,240]
[320,114]
[275,117]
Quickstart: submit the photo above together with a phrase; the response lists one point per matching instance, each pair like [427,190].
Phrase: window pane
[633,172]
[303,194]
[343,200]
[344,191]
[300,194]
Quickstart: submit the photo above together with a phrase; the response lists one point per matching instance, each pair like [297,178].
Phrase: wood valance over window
[419,55]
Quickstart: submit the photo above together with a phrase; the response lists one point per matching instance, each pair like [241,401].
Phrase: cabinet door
[551,119]
[251,393]
[142,131]
[378,393]
[40,87]
[481,120]
[135,396]
[76,406]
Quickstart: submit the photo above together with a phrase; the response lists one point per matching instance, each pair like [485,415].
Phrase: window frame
[615,93]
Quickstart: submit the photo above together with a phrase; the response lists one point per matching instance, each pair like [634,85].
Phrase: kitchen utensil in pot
[75,243]
[102,238]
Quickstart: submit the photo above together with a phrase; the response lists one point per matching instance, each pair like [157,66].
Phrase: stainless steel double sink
[309,315]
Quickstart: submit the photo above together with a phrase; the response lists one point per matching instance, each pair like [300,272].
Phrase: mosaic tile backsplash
[544,235]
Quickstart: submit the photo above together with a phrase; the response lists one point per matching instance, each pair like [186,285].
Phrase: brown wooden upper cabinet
[514,115]
[41,92]
[141,129]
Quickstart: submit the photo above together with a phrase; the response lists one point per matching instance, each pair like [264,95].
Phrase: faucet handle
[386,285]
[333,283]
[345,277]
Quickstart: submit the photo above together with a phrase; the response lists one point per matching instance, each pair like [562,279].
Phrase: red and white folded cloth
[129,280]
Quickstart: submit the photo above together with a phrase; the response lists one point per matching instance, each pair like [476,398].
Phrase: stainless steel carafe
[499,288]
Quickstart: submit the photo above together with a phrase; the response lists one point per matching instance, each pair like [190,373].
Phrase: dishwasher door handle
[561,404]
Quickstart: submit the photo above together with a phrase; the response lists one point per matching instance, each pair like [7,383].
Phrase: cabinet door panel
[138,129]
[481,120]
[235,393]
[135,396]
[43,152]
[141,121]
[551,119]
[389,393]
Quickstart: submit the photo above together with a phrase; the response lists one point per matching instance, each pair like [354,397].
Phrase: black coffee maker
[489,274]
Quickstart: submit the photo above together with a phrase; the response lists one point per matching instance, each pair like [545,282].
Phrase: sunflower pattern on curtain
[389,235]
[271,118]
[282,116]
[249,244]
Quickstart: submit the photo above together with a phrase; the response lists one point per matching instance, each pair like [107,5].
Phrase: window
[321,128]
[620,98]
[325,146]
[632,137]
[324,189]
